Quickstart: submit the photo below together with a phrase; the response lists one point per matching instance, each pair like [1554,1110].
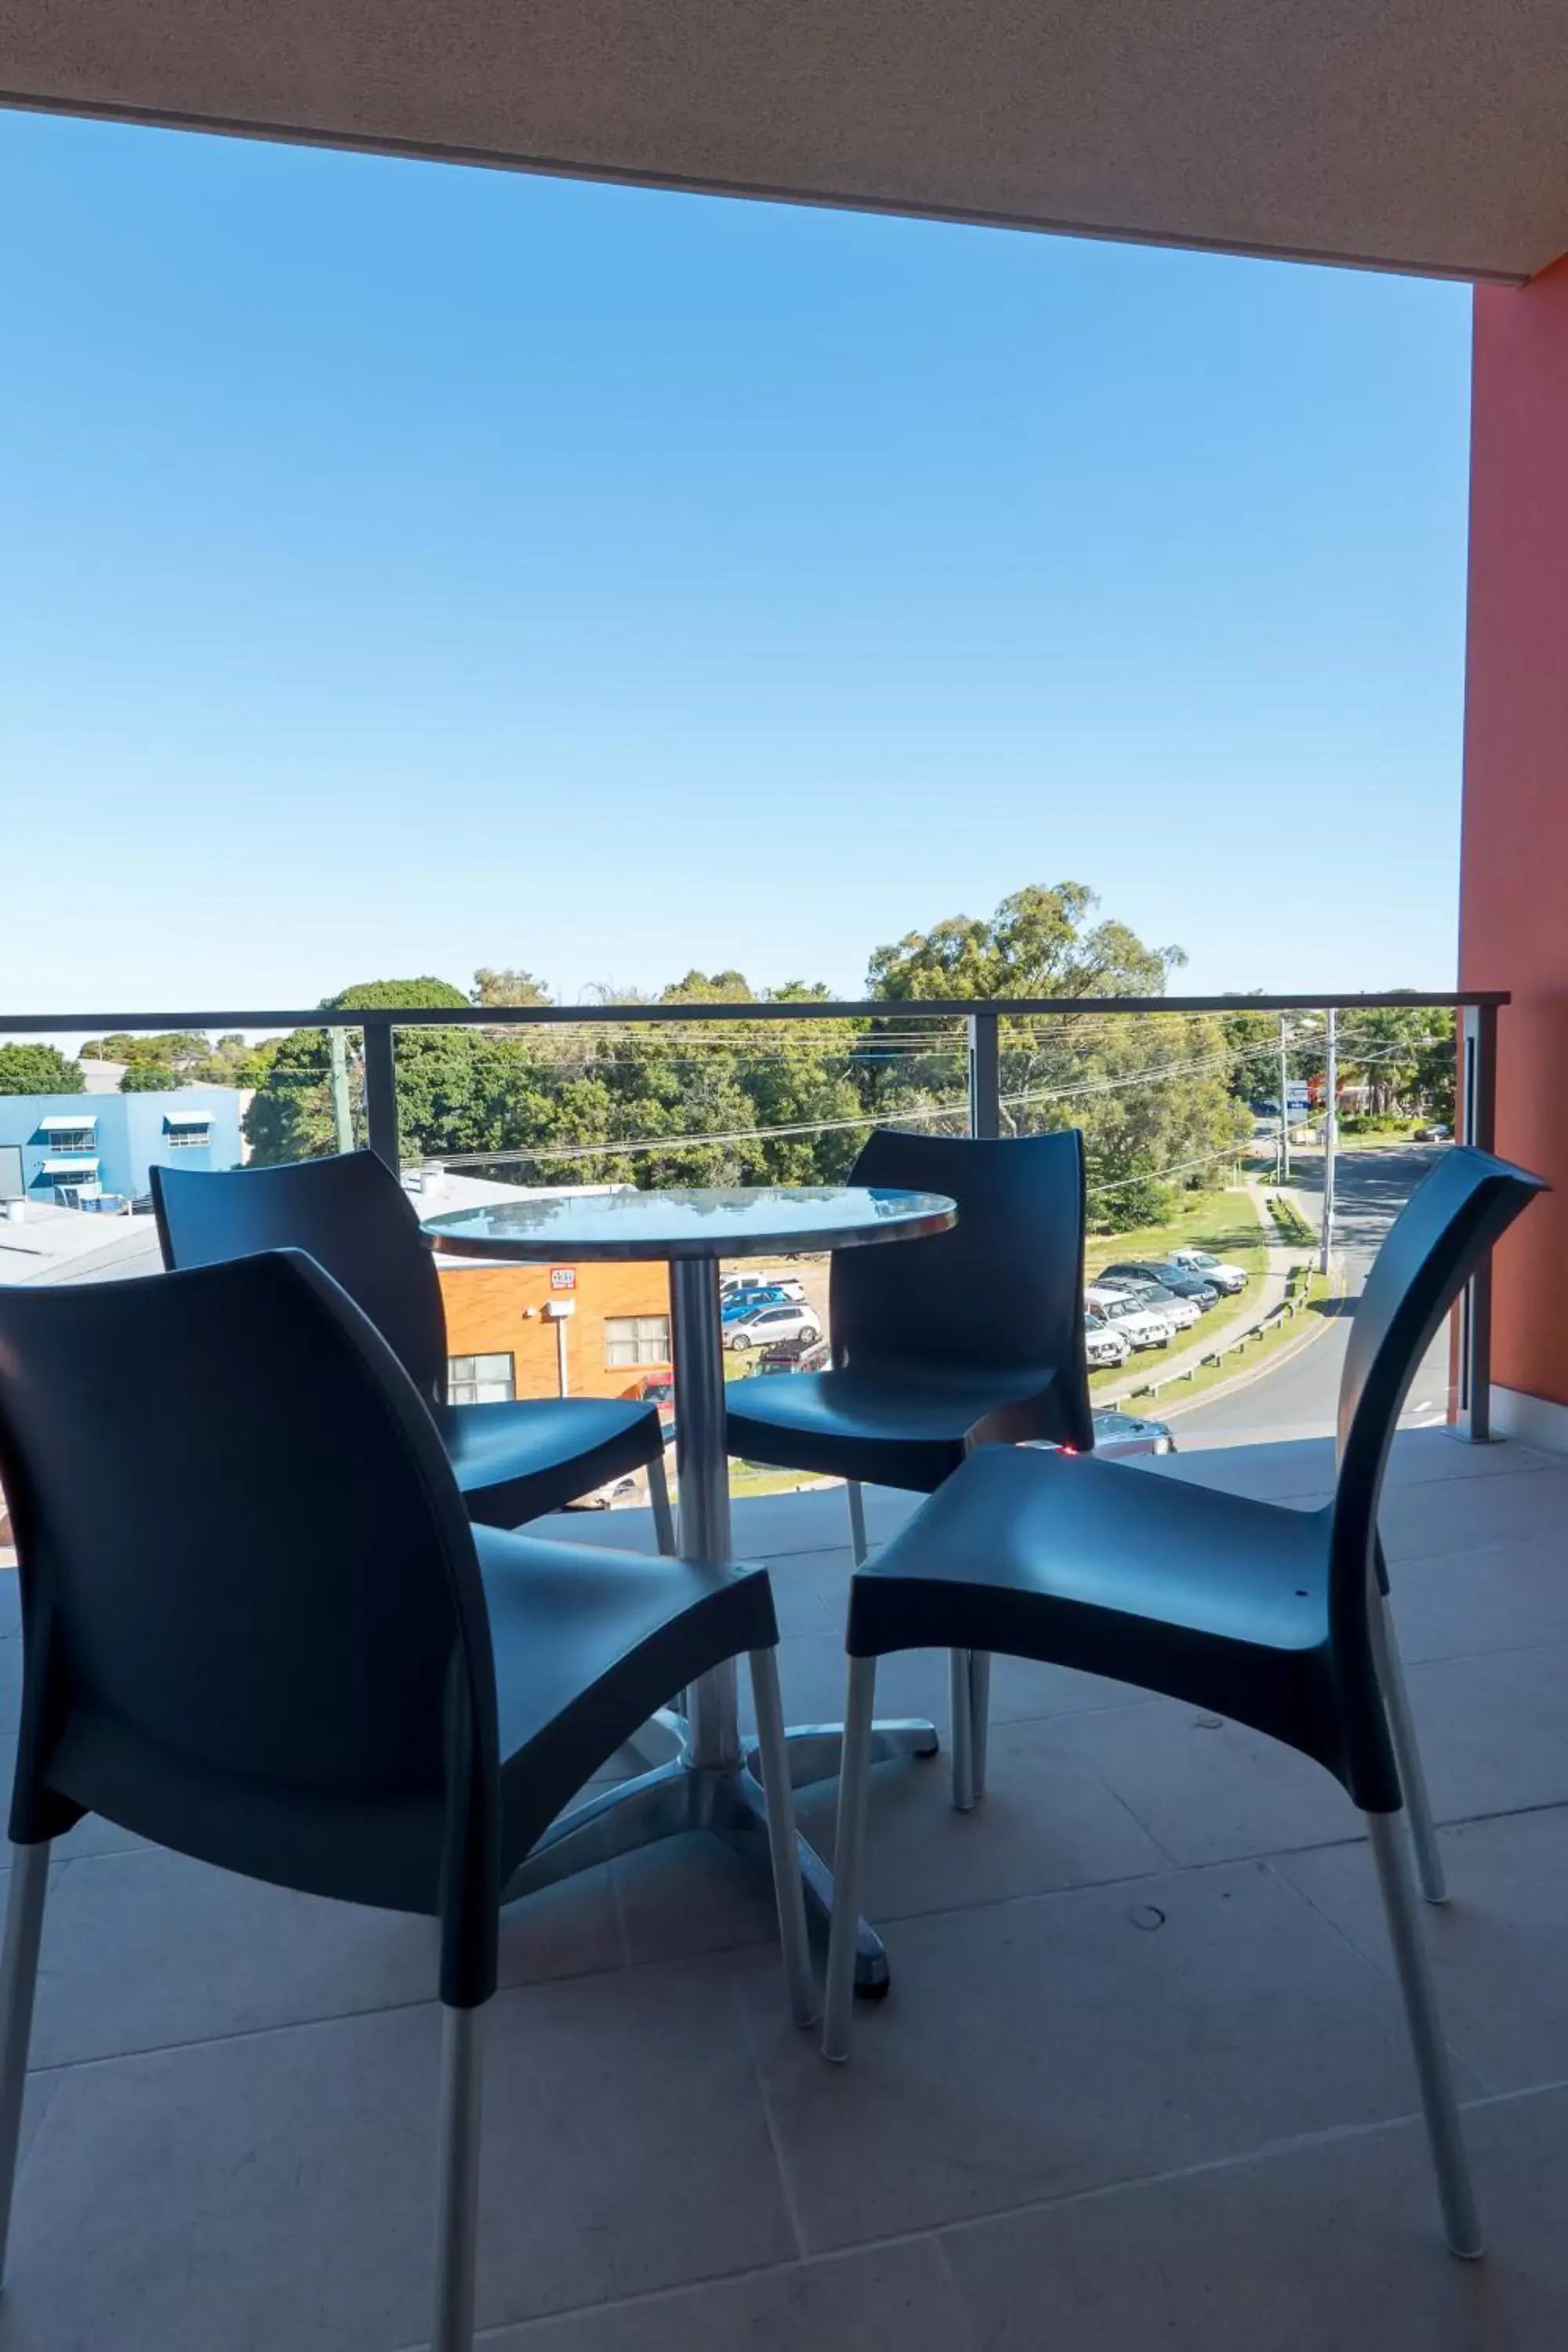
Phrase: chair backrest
[1438,1240]
[253,1625]
[1002,1290]
[349,1213]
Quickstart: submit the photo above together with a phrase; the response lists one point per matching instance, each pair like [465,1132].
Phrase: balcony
[1142,2079]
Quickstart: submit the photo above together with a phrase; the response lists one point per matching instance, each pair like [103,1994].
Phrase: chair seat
[514,1461]
[893,1427]
[587,1643]
[1214,1598]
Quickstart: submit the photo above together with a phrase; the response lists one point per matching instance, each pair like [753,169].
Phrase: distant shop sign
[563,1277]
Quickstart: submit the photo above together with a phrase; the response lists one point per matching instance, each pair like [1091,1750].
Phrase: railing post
[381,1092]
[985,1076]
[1478,1127]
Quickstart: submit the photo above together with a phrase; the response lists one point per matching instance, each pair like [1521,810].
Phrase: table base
[677,1798]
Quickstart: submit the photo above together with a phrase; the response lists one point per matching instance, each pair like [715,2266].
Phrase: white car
[1225,1277]
[1102,1344]
[763,1325]
[1137,1326]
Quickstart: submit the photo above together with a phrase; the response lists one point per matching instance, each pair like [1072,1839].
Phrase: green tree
[38,1070]
[152,1079]
[507,986]
[175,1049]
[1405,1054]
[1150,1092]
[290,1115]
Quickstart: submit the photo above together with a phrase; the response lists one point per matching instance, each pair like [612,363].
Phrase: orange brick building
[542,1330]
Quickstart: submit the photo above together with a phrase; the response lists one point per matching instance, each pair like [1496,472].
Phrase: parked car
[1137,1326]
[794,1355]
[1116,1433]
[745,1302]
[1436,1133]
[1102,1343]
[1218,1270]
[1182,1280]
[731,1285]
[662,1394]
[762,1326]
[615,1491]
[1181,1314]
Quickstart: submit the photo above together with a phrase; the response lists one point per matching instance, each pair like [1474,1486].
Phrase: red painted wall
[1514,917]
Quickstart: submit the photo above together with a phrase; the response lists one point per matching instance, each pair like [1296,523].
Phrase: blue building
[76,1150]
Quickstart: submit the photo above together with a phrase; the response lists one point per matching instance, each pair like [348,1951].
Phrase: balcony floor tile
[147,1949]
[901,2295]
[1497,1945]
[1036,2048]
[1328,2248]
[275,2189]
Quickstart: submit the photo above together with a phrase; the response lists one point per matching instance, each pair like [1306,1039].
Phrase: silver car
[763,1325]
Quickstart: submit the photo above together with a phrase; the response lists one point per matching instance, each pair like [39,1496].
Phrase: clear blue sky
[407,568]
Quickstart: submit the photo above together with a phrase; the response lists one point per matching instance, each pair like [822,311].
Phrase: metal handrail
[424,1016]
[983,1017]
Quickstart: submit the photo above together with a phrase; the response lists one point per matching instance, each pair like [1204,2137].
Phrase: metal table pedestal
[713,1782]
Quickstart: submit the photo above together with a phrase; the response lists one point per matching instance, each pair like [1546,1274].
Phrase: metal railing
[1477,1012]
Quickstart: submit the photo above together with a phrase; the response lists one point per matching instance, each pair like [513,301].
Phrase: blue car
[741,1302]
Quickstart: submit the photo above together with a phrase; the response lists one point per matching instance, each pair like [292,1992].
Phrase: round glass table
[711,1783]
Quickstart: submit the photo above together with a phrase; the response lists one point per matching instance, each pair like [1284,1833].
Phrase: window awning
[187,1119]
[58,1122]
[83,1164]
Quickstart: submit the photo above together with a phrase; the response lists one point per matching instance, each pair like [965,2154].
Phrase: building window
[480,1380]
[186,1138]
[636,1339]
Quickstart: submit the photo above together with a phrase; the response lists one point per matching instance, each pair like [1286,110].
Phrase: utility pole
[1331,1127]
[342,1120]
[1284,1112]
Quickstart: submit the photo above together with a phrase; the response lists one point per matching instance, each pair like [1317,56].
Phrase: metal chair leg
[1398,1884]
[663,1516]
[962,1708]
[979,1717]
[458,2177]
[849,1857]
[18,1980]
[774,1760]
[855,1495]
[1407,1751]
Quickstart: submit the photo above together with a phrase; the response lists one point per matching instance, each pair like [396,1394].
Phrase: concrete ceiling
[1411,134]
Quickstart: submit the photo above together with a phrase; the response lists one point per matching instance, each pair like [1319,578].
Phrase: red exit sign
[563,1277]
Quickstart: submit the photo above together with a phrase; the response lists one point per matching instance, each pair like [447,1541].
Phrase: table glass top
[738,1221]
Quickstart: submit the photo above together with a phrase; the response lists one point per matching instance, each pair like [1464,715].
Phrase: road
[1299,1396]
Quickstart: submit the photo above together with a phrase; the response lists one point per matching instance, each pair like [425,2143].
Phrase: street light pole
[1284,1112]
[342,1123]
[1330,1137]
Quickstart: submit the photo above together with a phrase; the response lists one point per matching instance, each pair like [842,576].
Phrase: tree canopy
[1159,1097]
[38,1070]
[753,1099]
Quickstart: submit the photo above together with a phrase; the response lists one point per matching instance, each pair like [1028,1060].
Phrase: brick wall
[499,1309]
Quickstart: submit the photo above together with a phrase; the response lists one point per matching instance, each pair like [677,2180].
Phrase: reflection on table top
[751,1220]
